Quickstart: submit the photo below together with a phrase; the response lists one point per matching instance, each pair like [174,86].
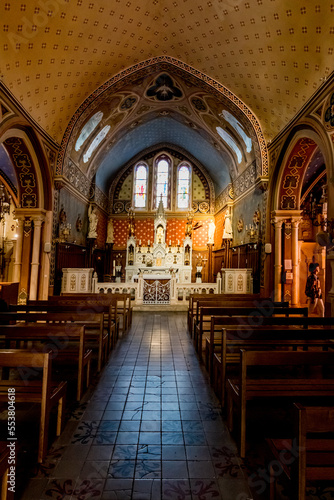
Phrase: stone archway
[287,216]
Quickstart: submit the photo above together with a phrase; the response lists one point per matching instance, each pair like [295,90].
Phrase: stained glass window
[140,186]
[162,179]
[183,187]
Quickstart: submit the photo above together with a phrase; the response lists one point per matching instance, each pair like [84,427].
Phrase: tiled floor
[150,429]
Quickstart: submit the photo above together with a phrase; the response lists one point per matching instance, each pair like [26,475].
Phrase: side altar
[158,258]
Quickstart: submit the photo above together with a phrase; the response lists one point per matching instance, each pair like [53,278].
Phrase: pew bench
[265,340]
[223,297]
[246,326]
[120,301]
[67,343]
[255,315]
[75,305]
[43,392]
[248,387]
[311,449]
[93,322]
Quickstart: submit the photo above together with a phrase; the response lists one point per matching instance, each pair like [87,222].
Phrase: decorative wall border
[245,180]
[293,174]
[224,197]
[25,170]
[221,89]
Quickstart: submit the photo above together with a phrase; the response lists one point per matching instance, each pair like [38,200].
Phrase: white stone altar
[158,256]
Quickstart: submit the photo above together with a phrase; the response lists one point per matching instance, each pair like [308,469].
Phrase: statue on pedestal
[131,223]
[93,220]
[227,227]
[211,232]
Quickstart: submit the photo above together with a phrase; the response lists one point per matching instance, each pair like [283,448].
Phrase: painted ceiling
[272,55]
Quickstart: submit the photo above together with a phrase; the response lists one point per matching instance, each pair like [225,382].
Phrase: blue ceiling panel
[163,130]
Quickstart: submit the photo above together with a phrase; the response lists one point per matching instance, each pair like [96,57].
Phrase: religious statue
[78,224]
[62,215]
[131,223]
[211,232]
[189,226]
[110,232]
[93,219]
[227,234]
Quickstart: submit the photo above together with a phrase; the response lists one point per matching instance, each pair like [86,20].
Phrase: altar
[158,256]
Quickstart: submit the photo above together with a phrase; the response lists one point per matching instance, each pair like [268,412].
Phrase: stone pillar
[38,221]
[18,251]
[278,259]
[295,262]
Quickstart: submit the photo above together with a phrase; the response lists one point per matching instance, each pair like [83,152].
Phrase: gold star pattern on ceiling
[272,54]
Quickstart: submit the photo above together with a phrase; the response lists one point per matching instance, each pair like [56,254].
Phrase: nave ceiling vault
[258,62]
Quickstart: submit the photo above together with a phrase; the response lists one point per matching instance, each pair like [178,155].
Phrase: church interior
[161,151]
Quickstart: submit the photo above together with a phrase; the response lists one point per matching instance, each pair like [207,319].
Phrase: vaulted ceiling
[271,55]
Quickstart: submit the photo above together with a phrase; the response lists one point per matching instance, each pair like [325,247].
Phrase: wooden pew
[78,306]
[247,325]
[231,300]
[271,385]
[44,391]
[263,339]
[94,323]
[265,305]
[255,313]
[311,449]
[93,301]
[123,303]
[228,297]
[59,339]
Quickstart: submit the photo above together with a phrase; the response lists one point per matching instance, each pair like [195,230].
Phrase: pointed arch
[167,63]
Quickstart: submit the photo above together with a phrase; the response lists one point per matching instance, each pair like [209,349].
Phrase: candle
[170,242]
[148,242]
[178,242]
[139,242]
